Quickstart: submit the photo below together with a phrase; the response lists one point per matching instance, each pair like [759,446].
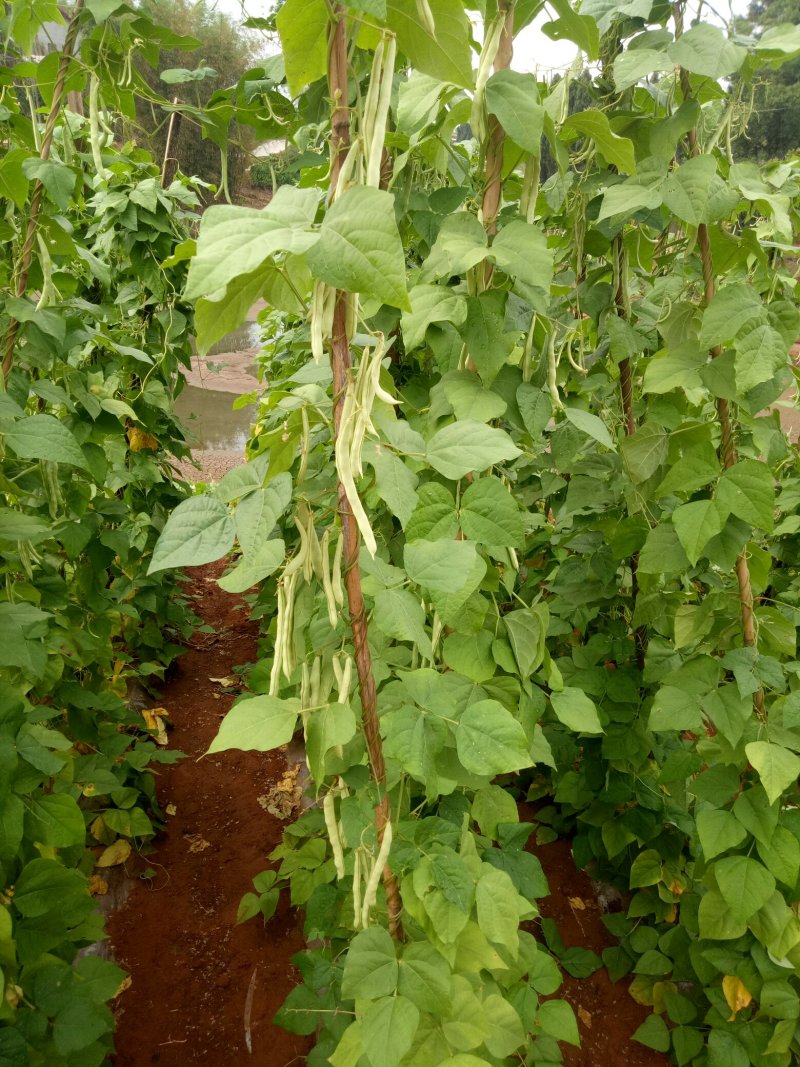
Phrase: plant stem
[38,188]
[340,365]
[727,449]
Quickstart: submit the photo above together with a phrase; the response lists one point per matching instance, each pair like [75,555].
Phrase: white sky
[533,50]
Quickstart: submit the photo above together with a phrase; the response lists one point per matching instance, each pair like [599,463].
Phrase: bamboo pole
[341,363]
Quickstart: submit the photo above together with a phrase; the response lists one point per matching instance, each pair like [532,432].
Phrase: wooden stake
[341,363]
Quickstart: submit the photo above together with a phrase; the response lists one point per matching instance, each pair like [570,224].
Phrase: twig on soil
[248,1010]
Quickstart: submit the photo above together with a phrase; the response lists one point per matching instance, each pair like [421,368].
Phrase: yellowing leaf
[154,720]
[140,440]
[114,854]
[736,993]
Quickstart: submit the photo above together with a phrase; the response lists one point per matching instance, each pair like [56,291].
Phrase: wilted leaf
[736,993]
[115,854]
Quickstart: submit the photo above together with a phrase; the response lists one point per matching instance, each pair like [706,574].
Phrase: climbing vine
[514,479]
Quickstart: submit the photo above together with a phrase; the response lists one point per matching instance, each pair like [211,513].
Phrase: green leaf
[581,29]
[258,723]
[400,615]
[488,345]
[303,28]
[199,530]
[435,515]
[497,908]
[520,249]
[696,468]
[591,425]
[535,407]
[254,569]
[675,709]
[634,64]
[760,354]
[430,303]
[22,627]
[388,1027]
[359,248]
[490,514]
[618,151]
[395,483]
[235,241]
[556,1018]
[257,514]
[507,1033]
[55,820]
[424,977]
[644,451]
[58,179]
[705,49]
[718,831]
[662,552]
[467,446]
[44,885]
[514,99]
[527,630]
[678,368]
[470,399]
[460,245]
[715,919]
[781,856]
[492,805]
[13,183]
[45,437]
[777,767]
[439,565]
[576,710]
[646,869]
[696,523]
[17,526]
[747,491]
[732,308]
[695,193]
[490,740]
[744,883]
[333,725]
[470,655]
[653,1033]
[446,55]
[370,968]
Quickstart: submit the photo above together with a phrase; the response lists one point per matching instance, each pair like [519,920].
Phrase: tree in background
[774,128]
[225,52]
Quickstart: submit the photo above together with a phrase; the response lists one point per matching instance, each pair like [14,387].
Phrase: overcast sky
[533,51]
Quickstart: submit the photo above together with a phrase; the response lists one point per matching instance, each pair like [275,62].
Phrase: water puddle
[210,420]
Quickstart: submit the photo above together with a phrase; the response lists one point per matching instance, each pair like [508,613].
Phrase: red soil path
[191,966]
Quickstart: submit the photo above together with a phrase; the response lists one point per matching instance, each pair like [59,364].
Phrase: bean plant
[93,331]
[521,519]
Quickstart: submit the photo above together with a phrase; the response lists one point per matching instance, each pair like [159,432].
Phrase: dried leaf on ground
[284,799]
[126,983]
[226,683]
[171,809]
[114,854]
[197,843]
[577,904]
[585,1017]
[98,887]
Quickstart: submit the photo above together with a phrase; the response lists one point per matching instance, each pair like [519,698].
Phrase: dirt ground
[191,967]
[607,1016]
